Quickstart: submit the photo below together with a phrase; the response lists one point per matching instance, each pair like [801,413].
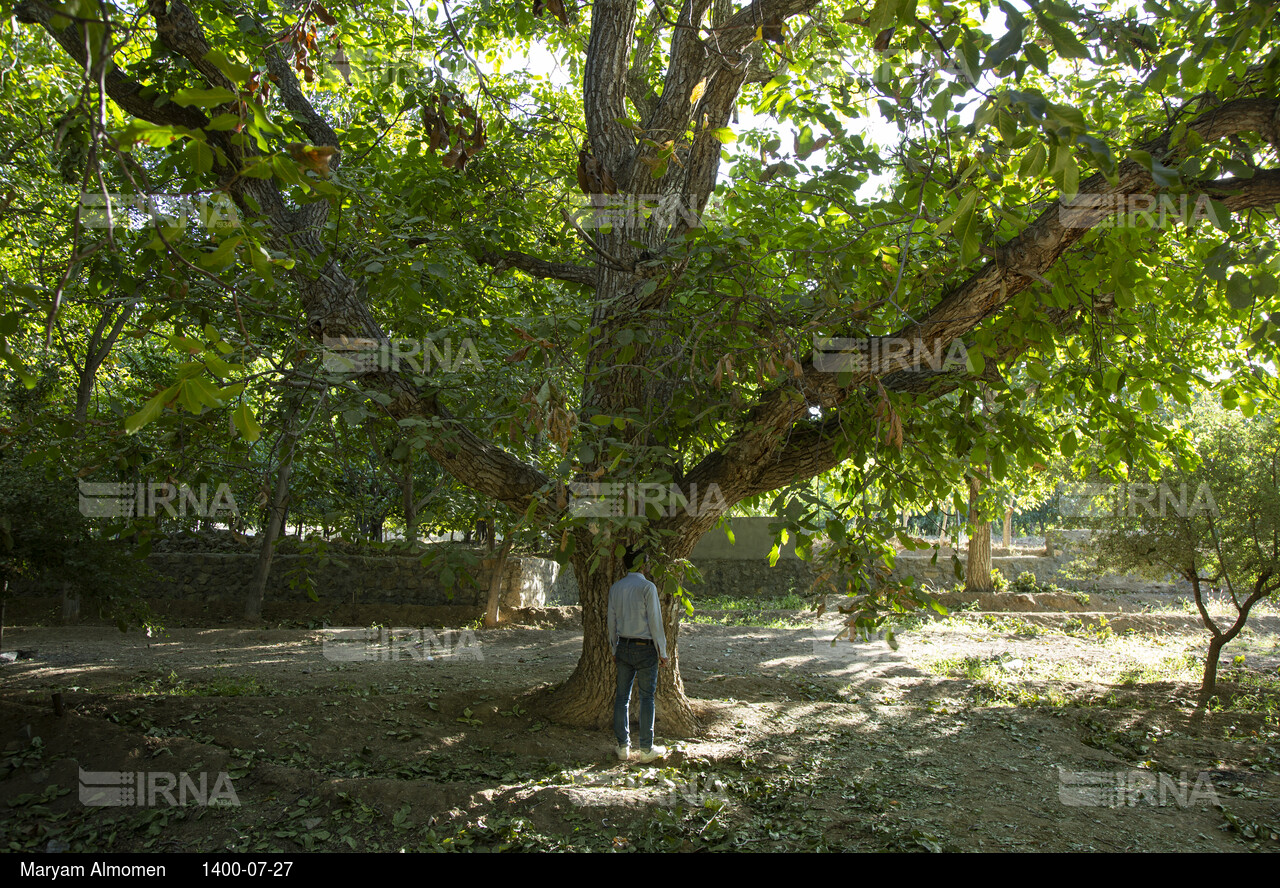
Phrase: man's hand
[662,661]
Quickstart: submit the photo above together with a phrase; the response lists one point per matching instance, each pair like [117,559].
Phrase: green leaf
[1064,40]
[1240,292]
[220,368]
[1006,46]
[1070,175]
[224,255]
[1142,158]
[151,410]
[195,394]
[885,13]
[970,240]
[224,123]
[245,423]
[204,98]
[261,262]
[967,205]
[1165,177]
[968,57]
[975,362]
[237,72]
[200,156]
[1033,161]
[1036,56]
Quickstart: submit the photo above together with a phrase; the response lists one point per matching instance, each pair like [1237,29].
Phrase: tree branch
[639,91]
[180,30]
[604,80]
[778,421]
[128,94]
[564,271]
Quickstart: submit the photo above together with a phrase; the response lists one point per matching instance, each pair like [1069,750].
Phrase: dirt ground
[983,731]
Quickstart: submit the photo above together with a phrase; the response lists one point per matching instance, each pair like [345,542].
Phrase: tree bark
[1209,680]
[270,533]
[410,507]
[1008,527]
[977,567]
[70,605]
[101,341]
[586,698]
[277,509]
[491,614]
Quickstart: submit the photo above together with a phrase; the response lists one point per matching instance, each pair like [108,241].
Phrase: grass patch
[790,601]
[770,612]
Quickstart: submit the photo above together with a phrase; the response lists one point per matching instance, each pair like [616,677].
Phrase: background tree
[1214,522]
[45,538]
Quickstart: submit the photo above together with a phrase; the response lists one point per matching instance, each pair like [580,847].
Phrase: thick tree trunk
[977,567]
[586,698]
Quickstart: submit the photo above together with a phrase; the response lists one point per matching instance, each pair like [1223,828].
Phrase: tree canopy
[649,238]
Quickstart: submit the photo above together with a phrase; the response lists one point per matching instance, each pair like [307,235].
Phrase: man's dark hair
[634,558]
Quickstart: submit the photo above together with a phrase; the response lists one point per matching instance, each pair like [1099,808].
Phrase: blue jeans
[635,661]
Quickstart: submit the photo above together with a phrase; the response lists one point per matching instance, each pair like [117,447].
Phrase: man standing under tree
[639,647]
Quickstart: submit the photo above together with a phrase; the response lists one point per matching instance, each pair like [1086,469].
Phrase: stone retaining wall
[1059,570]
[360,579]
[537,582]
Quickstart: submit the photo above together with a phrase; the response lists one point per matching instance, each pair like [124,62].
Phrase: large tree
[965,187]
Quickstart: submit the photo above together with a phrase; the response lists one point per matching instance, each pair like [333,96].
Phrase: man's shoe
[624,752]
[649,755]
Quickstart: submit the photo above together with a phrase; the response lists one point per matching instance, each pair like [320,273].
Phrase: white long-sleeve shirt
[634,612]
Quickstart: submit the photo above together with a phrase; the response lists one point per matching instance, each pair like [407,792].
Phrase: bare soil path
[983,731]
